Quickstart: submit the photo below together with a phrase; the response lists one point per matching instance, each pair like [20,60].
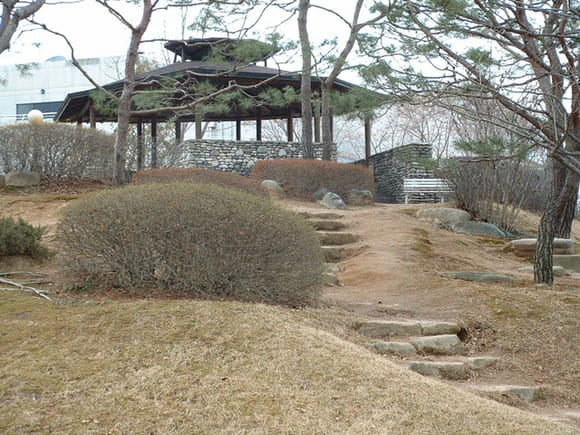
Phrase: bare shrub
[206,176]
[191,239]
[496,190]
[56,150]
[300,178]
[20,238]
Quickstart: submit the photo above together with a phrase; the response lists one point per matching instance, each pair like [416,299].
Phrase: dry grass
[206,367]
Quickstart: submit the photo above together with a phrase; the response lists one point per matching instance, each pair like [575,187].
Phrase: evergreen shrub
[196,175]
[20,238]
[300,178]
[196,240]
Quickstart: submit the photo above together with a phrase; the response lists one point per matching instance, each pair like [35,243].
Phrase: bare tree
[13,12]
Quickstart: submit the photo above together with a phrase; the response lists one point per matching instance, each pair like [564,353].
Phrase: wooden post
[139,145]
[92,116]
[258,124]
[316,128]
[331,128]
[238,129]
[178,132]
[290,125]
[154,143]
[198,121]
[368,133]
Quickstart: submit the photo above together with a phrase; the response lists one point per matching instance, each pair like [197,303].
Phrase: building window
[45,107]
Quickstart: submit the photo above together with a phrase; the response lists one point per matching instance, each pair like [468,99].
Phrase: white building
[44,86]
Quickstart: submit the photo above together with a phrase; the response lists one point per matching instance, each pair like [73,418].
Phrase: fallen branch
[26,288]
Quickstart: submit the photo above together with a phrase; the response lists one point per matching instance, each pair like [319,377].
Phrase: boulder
[449,216]
[478,229]
[480,277]
[527,247]
[448,344]
[332,200]
[359,197]
[319,194]
[273,188]
[569,262]
[22,178]
[558,270]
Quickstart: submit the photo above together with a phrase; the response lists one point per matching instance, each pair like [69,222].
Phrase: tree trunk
[558,203]
[124,107]
[563,224]
[326,120]
[306,82]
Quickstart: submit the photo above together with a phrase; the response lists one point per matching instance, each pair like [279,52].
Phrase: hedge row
[301,178]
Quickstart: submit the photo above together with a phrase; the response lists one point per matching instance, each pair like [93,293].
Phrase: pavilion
[198,63]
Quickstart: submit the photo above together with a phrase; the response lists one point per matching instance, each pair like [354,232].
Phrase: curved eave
[75,105]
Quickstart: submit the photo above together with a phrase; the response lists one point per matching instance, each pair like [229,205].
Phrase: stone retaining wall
[239,156]
[391,167]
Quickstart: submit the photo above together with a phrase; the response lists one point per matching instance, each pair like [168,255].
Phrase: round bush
[199,175]
[203,241]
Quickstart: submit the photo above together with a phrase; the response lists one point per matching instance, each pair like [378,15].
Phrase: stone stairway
[433,348]
[336,243]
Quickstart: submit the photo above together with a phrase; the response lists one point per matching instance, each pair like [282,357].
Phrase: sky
[96,33]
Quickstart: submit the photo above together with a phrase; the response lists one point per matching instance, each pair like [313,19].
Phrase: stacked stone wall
[240,156]
[391,167]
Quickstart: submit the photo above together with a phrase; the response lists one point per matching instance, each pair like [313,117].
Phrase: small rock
[273,188]
[478,229]
[22,178]
[449,216]
[359,197]
[319,194]
[332,200]
[447,344]
[393,348]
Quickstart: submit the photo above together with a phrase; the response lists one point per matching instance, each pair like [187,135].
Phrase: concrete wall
[391,167]
[239,156]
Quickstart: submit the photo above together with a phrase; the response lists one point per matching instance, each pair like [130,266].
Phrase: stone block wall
[391,167]
[240,156]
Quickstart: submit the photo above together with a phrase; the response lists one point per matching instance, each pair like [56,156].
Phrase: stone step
[480,362]
[527,394]
[328,225]
[390,328]
[527,247]
[337,239]
[309,215]
[330,280]
[452,370]
[569,262]
[448,344]
[398,348]
[336,254]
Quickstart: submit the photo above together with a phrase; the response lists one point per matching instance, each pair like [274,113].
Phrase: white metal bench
[425,185]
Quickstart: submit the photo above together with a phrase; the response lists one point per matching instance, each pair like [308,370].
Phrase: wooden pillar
[368,133]
[178,132]
[316,128]
[153,143]
[80,121]
[198,121]
[140,146]
[92,116]
[238,129]
[331,128]
[290,126]
[258,124]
